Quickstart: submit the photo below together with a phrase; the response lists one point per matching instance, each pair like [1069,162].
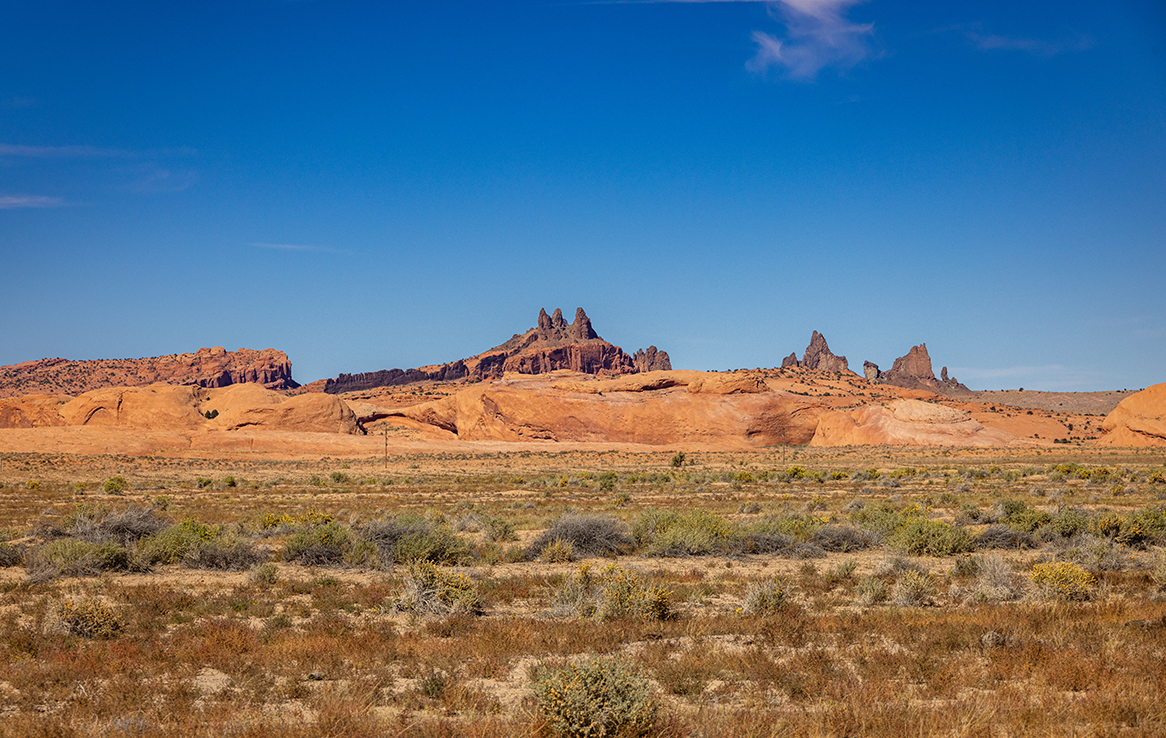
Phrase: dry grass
[1065,637]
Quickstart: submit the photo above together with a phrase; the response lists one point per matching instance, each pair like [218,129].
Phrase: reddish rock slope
[1138,420]
[552,345]
[207,367]
[659,408]
[166,407]
[908,422]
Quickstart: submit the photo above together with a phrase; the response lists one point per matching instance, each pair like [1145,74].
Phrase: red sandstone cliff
[551,345]
[207,367]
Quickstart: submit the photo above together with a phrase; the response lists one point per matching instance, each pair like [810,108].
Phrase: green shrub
[1029,520]
[1069,521]
[589,535]
[614,593]
[89,617]
[408,538]
[430,590]
[10,555]
[226,552]
[671,533]
[114,485]
[870,591]
[171,544]
[340,478]
[230,482]
[264,575]
[1062,580]
[765,598]
[678,460]
[912,588]
[920,537]
[72,557]
[204,483]
[558,551]
[499,529]
[330,544]
[595,696]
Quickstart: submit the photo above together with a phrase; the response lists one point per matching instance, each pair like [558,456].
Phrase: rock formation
[913,371]
[817,356]
[553,344]
[207,367]
[167,407]
[908,422]
[1138,420]
[651,360]
[729,410]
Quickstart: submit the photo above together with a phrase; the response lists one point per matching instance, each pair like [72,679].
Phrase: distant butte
[207,367]
[553,344]
[913,371]
[818,356]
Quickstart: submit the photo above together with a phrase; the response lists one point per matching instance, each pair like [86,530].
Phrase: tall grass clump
[672,533]
[595,697]
[405,539]
[71,557]
[1062,580]
[88,617]
[615,592]
[330,544]
[920,537]
[589,535]
[429,590]
[765,598]
[912,589]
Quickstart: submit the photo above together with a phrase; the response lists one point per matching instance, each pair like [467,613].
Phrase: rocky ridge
[552,345]
[207,367]
[817,356]
[913,371]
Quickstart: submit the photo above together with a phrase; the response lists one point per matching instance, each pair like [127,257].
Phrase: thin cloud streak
[8,202]
[293,247]
[818,35]
[85,152]
[1036,47]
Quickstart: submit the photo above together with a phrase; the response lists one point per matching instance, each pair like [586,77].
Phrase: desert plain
[796,551]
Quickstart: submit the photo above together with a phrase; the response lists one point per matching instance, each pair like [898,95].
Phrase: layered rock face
[913,371]
[818,356]
[167,407]
[1138,420]
[553,344]
[651,360]
[657,408]
[908,422]
[207,367]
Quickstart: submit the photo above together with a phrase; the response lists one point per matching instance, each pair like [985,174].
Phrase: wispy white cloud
[12,202]
[1034,46]
[151,178]
[293,247]
[818,35]
[86,152]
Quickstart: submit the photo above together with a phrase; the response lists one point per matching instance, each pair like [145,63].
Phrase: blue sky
[367,185]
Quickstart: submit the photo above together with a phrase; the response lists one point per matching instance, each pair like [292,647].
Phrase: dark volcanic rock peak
[551,345]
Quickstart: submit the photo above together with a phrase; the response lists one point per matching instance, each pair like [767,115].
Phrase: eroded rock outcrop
[908,422]
[1138,420]
[207,367]
[818,356]
[913,371]
[651,360]
[167,407]
[661,408]
[552,345]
